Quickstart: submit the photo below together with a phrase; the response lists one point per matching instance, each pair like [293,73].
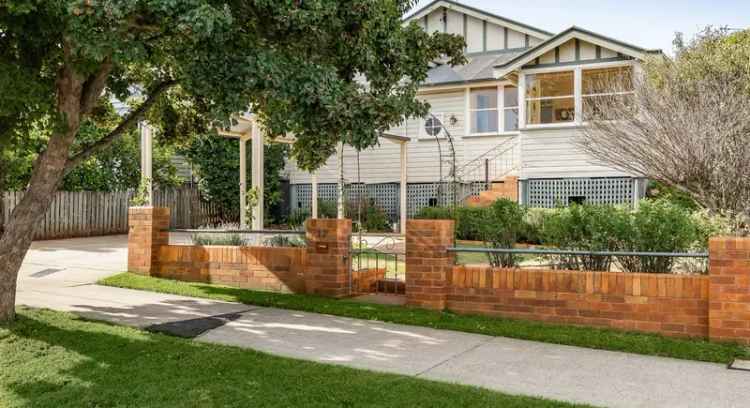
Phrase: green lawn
[54,359]
[639,343]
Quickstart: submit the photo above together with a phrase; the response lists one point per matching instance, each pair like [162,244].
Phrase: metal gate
[378,265]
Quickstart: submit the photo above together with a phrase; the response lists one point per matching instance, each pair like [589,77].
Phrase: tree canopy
[324,70]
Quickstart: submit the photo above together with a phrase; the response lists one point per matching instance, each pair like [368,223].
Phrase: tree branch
[130,120]
[94,86]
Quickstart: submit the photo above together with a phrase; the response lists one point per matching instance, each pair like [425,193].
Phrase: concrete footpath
[60,274]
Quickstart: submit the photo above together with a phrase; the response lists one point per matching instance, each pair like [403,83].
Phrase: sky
[645,23]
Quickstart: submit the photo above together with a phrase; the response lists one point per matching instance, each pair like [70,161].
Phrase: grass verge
[604,339]
[54,359]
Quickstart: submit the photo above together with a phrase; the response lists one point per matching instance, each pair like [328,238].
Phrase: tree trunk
[45,178]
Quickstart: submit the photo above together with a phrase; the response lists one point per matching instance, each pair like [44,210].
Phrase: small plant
[251,203]
[373,217]
[141,197]
[501,227]
[285,241]
[219,240]
[296,219]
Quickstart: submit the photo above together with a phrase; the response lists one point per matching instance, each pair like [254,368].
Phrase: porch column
[146,159]
[314,196]
[257,175]
[243,182]
[403,186]
[340,196]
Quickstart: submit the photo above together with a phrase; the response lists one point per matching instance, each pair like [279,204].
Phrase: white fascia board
[574,34]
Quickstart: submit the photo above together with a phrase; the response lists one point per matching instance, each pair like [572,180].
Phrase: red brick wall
[257,268]
[147,230]
[715,306]
[322,267]
[428,263]
[729,308]
[329,244]
[669,304]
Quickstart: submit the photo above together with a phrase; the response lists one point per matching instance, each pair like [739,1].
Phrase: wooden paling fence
[93,213]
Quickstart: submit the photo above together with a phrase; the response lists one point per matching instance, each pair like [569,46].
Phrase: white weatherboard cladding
[552,153]
[381,164]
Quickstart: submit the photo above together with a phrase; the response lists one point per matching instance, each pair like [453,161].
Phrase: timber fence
[93,213]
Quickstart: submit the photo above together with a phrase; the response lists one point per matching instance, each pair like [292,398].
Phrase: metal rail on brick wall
[534,251]
[623,261]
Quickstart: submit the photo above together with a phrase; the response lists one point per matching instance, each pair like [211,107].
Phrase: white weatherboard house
[514,110]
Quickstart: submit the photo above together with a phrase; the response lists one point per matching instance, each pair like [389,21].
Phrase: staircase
[492,171]
[506,188]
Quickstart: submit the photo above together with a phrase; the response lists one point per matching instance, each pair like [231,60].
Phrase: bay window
[550,98]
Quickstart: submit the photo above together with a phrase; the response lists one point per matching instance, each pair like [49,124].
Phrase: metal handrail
[580,253]
[237,231]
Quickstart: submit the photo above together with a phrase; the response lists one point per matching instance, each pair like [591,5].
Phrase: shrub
[374,218]
[327,209]
[658,226]
[219,239]
[435,213]
[500,227]
[285,241]
[297,217]
[586,228]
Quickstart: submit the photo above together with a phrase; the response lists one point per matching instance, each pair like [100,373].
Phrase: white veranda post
[403,185]
[257,175]
[146,158]
[314,195]
[243,182]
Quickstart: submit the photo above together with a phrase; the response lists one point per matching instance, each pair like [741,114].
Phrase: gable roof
[480,14]
[573,32]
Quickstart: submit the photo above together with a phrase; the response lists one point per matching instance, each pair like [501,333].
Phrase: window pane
[607,80]
[510,96]
[549,85]
[607,107]
[484,121]
[485,98]
[550,111]
[511,120]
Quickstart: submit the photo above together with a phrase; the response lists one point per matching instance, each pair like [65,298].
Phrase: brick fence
[716,306]
[321,268]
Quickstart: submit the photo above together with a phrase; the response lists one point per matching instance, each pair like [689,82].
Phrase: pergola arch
[248,128]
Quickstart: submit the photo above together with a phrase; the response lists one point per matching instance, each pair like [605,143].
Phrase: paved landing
[59,275]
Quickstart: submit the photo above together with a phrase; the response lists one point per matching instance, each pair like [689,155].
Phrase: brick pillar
[729,289]
[147,230]
[329,243]
[428,262]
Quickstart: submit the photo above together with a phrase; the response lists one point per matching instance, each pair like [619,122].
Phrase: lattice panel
[385,195]
[549,193]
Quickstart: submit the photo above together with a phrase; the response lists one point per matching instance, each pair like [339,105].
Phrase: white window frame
[583,96]
[551,98]
[499,111]
[578,89]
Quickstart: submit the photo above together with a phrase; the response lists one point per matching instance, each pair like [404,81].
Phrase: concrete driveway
[60,275]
